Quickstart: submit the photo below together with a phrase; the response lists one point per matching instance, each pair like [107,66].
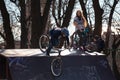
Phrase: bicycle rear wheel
[43,43]
[90,47]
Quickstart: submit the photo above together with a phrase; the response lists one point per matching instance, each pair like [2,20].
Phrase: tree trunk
[24,29]
[114,65]
[36,23]
[115,46]
[6,26]
[98,17]
[83,8]
[2,35]
[45,16]
[109,24]
[68,13]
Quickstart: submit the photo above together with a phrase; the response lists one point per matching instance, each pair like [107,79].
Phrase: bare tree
[68,13]
[116,40]
[115,47]
[98,17]
[38,21]
[24,30]
[6,26]
[83,5]
[58,11]
[110,22]
[62,11]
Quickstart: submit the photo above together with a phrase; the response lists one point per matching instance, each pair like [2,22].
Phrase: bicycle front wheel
[43,43]
[56,67]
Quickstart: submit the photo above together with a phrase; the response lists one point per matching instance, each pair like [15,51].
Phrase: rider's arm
[75,23]
[84,21]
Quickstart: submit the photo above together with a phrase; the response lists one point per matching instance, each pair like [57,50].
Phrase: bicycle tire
[56,67]
[43,42]
[75,39]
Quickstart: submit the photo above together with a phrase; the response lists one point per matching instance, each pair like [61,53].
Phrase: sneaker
[47,54]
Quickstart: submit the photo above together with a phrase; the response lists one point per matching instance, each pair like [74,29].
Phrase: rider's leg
[49,49]
[60,43]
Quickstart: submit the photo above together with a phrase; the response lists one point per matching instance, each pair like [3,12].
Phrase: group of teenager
[80,24]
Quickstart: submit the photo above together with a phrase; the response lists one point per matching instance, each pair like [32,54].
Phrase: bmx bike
[86,40]
[56,63]
[77,40]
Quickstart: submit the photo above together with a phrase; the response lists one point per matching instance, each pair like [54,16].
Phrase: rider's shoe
[47,54]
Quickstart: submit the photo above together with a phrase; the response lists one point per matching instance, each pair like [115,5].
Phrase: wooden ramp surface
[32,64]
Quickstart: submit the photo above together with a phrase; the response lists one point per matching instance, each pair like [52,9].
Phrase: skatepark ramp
[73,68]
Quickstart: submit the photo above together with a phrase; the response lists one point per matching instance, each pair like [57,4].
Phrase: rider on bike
[55,34]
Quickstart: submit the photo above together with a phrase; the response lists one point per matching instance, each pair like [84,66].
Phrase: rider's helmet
[65,31]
